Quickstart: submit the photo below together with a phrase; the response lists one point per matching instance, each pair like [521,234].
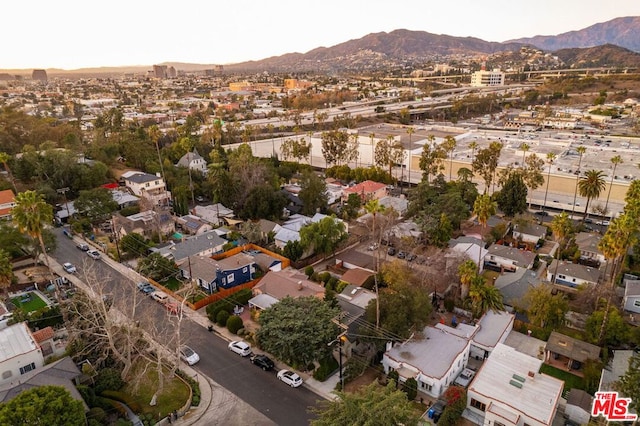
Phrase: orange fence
[225,292]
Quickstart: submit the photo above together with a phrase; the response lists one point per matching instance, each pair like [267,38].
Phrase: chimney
[532,374]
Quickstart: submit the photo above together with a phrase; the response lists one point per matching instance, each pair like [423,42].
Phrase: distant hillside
[599,56]
[624,32]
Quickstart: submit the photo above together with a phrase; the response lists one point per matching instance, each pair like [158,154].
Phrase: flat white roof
[492,326]
[536,397]
[16,340]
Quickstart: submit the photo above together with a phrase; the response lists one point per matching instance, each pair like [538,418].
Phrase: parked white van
[160,296]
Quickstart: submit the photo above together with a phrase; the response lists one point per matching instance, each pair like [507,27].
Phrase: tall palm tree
[591,186]
[4,159]
[372,136]
[473,145]
[551,157]
[410,131]
[31,213]
[374,207]
[483,208]
[449,145]
[467,271]
[561,227]
[615,161]
[581,150]
[484,297]
[6,271]
[525,148]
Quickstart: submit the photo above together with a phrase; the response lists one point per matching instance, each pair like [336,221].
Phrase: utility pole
[63,191]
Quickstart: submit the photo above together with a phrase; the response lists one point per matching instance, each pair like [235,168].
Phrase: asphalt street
[260,389]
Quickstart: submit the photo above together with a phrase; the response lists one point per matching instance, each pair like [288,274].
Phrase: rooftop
[16,340]
[492,326]
[572,348]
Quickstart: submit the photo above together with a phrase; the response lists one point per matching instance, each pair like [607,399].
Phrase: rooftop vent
[518,378]
[516,384]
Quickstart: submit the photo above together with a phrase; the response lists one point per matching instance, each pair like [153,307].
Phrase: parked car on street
[69,268]
[372,246]
[240,347]
[94,254]
[290,378]
[188,355]
[391,251]
[160,297]
[145,287]
[262,361]
[82,246]
[402,254]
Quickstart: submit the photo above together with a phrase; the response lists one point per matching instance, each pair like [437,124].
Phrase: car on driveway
[436,410]
[290,378]
[240,347]
[82,246]
[188,355]
[464,378]
[262,361]
[94,254]
[69,268]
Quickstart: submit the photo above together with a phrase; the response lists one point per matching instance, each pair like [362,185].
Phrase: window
[498,424]
[244,269]
[230,278]
[425,386]
[146,184]
[27,368]
[477,404]
[562,277]
[636,302]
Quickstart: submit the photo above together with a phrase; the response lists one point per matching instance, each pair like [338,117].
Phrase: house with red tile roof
[7,203]
[368,190]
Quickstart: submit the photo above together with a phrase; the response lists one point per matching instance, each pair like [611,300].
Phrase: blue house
[212,275]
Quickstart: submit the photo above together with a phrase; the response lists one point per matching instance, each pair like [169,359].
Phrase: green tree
[544,308]
[313,193]
[157,267]
[551,158]
[431,159]
[442,232]
[532,173]
[31,214]
[581,150]
[297,331]
[6,271]
[263,202]
[449,146]
[134,244]
[352,206]
[4,159]
[374,405]
[616,330]
[335,145]
[615,161]
[467,271]
[483,208]
[293,250]
[43,405]
[512,199]
[629,383]
[95,204]
[12,240]
[591,186]
[486,162]
[324,236]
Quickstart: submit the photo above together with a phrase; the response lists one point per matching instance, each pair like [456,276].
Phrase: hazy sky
[71,34]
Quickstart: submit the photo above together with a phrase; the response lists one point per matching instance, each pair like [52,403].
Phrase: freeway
[260,389]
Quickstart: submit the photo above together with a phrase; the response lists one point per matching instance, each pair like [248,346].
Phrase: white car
[290,378]
[69,268]
[188,355]
[464,378]
[94,254]
[240,347]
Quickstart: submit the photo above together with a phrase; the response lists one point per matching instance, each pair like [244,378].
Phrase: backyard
[571,381]
[29,302]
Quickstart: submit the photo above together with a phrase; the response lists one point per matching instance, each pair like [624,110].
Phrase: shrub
[234,323]
[340,285]
[108,379]
[393,375]
[222,317]
[449,304]
[97,414]
[410,388]
[332,283]
[327,366]
[324,277]
[195,387]
[308,271]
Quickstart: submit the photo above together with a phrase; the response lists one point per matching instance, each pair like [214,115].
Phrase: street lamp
[341,338]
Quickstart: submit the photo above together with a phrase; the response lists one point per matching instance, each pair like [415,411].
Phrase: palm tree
[31,213]
[374,207]
[615,161]
[372,136]
[581,150]
[467,271]
[449,145]
[410,131]
[483,208]
[591,186]
[525,148]
[473,145]
[551,157]
[561,227]
[6,271]
[484,297]
[4,159]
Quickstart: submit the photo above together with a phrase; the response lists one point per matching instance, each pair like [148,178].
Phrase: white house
[493,328]
[578,407]
[149,186]
[194,161]
[290,230]
[587,243]
[508,390]
[216,214]
[19,354]
[529,233]
[631,301]
[508,259]
[434,362]
[572,274]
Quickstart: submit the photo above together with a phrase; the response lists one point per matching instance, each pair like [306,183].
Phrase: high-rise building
[160,71]
[40,75]
[171,72]
[487,78]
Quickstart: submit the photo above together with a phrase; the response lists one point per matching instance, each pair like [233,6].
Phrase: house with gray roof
[508,259]
[192,225]
[204,245]
[529,233]
[212,274]
[194,161]
[514,286]
[570,351]
[572,274]
[215,214]
[587,243]
[631,299]
[433,361]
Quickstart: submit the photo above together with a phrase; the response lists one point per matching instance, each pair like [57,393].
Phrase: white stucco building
[19,353]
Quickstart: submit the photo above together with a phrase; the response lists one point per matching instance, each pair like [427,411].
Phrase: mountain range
[612,43]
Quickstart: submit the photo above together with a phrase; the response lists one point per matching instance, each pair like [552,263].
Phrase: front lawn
[571,381]
[173,397]
[172,283]
[33,304]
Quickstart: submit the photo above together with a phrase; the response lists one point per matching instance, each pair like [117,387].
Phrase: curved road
[260,389]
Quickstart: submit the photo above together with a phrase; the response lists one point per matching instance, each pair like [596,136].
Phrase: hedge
[234,323]
[126,399]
